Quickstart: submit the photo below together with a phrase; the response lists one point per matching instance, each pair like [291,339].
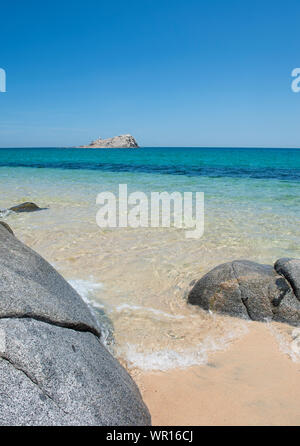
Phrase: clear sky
[170,72]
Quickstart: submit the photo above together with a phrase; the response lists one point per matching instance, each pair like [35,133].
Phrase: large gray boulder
[219,291]
[248,290]
[54,370]
[290,269]
[31,287]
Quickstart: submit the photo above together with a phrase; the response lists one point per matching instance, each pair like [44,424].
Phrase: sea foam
[288,339]
[86,289]
[166,359]
[153,311]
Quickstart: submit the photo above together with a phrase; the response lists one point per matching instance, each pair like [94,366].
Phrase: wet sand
[251,383]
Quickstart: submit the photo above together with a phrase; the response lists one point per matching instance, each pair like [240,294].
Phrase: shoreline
[140,278]
[250,383]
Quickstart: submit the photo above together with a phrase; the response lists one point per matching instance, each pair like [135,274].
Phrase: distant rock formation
[122,142]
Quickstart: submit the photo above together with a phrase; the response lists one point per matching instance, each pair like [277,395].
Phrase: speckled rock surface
[251,291]
[54,370]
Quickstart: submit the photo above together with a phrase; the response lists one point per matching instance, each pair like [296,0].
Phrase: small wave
[163,360]
[154,311]
[166,359]
[288,340]
[86,290]
[4,213]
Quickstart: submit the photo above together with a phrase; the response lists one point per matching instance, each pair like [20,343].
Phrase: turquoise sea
[256,188]
[140,277]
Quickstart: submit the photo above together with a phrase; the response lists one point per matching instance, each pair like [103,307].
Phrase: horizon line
[151,147]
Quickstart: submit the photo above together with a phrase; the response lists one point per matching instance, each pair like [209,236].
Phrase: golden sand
[251,383]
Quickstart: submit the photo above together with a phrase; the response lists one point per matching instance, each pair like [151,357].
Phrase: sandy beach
[252,383]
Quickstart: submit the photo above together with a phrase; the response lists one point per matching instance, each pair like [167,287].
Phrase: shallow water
[140,277]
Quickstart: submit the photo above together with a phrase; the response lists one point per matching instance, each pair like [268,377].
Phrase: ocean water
[139,278]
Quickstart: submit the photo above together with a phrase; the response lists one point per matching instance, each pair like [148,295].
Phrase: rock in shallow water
[26,207]
[290,269]
[53,368]
[249,290]
[219,291]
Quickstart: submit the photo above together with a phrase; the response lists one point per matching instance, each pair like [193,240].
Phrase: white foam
[86,289]
[289,344]
[163,359]
[4,213]
[154,311]
[167,359]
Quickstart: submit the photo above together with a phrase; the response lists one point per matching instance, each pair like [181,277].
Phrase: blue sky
[170,72]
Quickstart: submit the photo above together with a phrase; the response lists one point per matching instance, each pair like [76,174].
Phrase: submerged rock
[122,141]
[251,291]
[54,370]
[25,207]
